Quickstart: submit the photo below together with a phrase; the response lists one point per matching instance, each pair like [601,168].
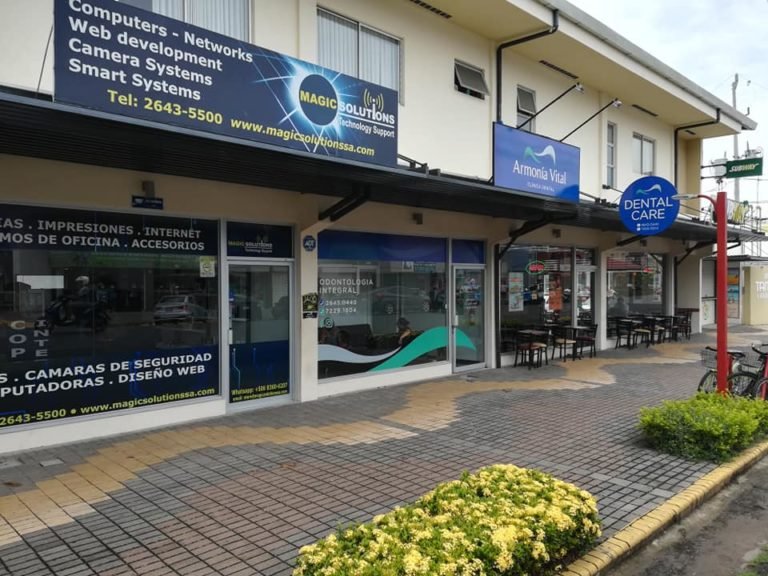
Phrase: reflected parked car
[385,300]
[179,308]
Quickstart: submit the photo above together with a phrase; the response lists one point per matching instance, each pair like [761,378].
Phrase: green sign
[744,167]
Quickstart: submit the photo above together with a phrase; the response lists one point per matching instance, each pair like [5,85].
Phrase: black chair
[587,339]
[529,350]
[671,328]
[684,323]
[562,338]
[625,330]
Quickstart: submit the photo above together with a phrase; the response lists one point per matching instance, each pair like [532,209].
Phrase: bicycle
[751,378]
[708,382]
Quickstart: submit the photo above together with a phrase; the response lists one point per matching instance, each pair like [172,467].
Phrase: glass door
[468,317]
[259,331]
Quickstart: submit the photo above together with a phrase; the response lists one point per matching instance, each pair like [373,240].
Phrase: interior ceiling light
[557,68]
[650,113]
[432,9]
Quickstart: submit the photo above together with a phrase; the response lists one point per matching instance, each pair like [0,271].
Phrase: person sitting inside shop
[404,332]
[620,308]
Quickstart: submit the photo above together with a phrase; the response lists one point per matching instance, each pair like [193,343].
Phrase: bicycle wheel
[760,389]
[708,382]
[740,383]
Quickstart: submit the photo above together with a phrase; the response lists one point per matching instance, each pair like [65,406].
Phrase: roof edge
[601,31]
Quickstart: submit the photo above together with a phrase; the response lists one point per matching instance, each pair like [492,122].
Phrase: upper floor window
[469,80]
[526,108]
[643,155]
[357,50]
[231,18]
[610,155]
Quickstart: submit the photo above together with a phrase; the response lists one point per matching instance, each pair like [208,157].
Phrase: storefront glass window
[635,283]
[382,302]
[536,285]
[585,283]
[102,312]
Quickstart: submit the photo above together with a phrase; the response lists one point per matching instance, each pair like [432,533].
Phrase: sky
[708,41]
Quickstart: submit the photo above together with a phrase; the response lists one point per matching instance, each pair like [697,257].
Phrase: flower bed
[501,520]
[706,427]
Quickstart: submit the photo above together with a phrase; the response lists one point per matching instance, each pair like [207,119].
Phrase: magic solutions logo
[322,104]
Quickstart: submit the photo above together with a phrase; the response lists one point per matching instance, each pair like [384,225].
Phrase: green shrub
[501,520]
[705,427]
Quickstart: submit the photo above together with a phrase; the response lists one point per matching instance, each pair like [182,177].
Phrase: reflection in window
[100,304]
[536,286]
[372,306]
[635,283]
[230,18]
[355,49]
[643,155]
[526,109]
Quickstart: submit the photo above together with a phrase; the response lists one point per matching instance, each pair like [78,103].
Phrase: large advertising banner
[116,58]
[104,311]
[531,163]
[44,389]
[38,228]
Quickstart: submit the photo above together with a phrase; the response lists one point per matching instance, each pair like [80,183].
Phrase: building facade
[209,207]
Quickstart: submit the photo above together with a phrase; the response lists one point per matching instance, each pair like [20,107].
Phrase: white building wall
[438,125]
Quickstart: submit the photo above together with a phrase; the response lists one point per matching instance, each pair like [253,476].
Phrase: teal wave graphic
[529,154]
[430,340]
[548,151]
[654,188]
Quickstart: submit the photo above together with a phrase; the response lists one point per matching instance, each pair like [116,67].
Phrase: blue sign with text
[259,240]
[531,163]
[116,58]
[647,206]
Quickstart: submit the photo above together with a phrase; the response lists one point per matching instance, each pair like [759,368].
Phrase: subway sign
[744,167]
[116,58]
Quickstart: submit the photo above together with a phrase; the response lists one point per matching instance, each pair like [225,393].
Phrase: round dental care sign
[647,206]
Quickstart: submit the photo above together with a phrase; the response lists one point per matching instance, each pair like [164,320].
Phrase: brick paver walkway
[240,495]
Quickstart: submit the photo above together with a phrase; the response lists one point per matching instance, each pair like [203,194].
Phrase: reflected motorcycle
[66,311]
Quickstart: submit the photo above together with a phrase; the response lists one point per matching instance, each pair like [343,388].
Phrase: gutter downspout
[675,168]
[551,30]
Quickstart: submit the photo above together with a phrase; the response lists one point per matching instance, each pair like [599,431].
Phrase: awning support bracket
[528,227]
[346,205]
[630,240]
[698,246]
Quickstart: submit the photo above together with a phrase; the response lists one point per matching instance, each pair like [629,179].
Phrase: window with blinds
[610,176]
[643,155]
[526,109]
[231,18]
[355,49]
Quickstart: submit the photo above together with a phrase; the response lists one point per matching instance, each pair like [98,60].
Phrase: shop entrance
[468,327]
[260,312]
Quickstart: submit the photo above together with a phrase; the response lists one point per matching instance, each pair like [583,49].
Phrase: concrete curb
[646,528]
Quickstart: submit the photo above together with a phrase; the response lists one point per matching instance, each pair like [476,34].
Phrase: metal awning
[40,128]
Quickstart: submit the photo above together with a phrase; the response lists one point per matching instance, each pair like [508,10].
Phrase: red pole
[722,292]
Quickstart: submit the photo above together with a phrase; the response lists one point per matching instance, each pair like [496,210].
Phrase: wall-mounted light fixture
[578,87]
[616,103]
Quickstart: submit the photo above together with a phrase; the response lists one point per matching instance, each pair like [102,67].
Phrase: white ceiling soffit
[602,59]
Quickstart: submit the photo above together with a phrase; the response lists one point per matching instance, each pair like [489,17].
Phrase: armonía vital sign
[648,206]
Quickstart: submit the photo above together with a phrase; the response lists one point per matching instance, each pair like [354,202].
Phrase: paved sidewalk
[240,495]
